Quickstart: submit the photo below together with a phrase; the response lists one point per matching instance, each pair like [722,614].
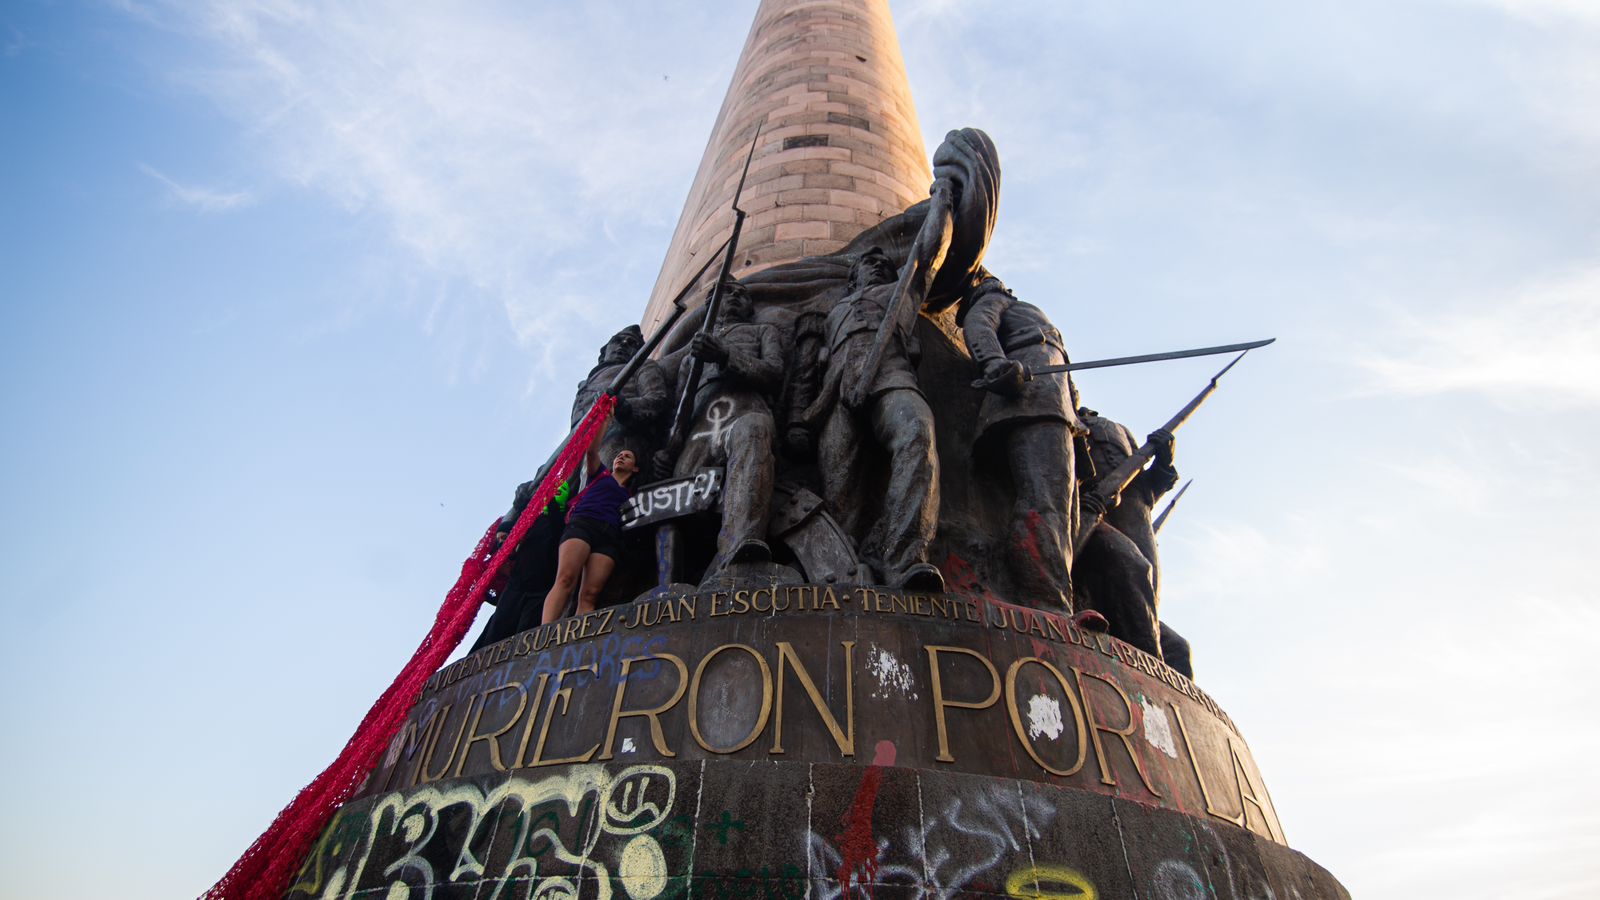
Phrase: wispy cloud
[1533,347]
[470,134]
[203,199]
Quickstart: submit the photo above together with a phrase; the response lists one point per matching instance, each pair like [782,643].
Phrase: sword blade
[1150,357]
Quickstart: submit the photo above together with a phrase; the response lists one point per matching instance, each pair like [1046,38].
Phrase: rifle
[1112,484]
[691,385]
[900,314]
[1162,519]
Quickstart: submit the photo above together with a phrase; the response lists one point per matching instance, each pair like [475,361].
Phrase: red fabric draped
[265,869]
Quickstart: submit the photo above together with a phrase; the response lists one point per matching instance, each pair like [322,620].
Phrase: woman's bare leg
[572,556]
[595,574]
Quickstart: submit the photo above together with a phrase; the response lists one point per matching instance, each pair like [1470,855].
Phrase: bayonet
[1148,357]
[1162,519]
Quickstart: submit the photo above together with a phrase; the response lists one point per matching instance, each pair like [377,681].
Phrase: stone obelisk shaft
[840,148]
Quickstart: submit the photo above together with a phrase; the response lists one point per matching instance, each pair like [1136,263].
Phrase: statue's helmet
[731,287]
[623,345]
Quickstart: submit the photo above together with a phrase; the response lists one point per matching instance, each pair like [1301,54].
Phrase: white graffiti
[719,416]
[1158,729]
[1044,717]
[1246,881]
[556,825]
[962,838]
[893,675]
[1175,879]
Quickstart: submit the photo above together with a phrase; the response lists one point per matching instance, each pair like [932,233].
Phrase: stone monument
[864,642]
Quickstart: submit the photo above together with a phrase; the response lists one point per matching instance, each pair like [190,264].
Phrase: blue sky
[294,294]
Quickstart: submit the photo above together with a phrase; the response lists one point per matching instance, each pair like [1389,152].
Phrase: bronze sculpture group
[878,416]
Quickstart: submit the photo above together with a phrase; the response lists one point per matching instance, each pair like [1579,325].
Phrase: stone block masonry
[840,147]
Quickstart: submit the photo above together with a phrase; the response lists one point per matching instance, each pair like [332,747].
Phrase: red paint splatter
[858,849]
[1030,540]
[958,575]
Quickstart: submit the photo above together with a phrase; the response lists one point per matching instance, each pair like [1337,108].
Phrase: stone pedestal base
[812,741]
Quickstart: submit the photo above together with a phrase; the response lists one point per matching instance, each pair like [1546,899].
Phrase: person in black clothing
[1118,574]
[593,536]
[533,565]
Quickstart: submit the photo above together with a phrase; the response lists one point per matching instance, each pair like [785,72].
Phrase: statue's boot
[751,550]
[922,576]
[1089,620]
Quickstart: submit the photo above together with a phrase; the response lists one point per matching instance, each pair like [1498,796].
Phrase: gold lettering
[493,737]
[1055,629]
[755,599]
[1247,794]
[694,699]
[1194,764]
[617,715]
[846,739]
[569,632]
[427,755]
[1095,727]
[638,614]
[939,701]
[565,696]
[1016,718]
[683,607]
[829,598]
[1034,625]
[715,595]
[919,604]
[527,731]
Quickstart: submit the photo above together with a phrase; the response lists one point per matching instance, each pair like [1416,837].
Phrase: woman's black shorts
[603,538]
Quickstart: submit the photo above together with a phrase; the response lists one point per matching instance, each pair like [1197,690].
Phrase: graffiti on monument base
[542,839]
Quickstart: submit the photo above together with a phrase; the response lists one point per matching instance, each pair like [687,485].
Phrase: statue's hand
[798,441]
[1165,445]
[1003,376]
[853,392]
[1093,504]
[661,463]
[710,348]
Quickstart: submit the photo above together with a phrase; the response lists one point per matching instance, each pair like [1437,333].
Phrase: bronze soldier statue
[733,424]
[1117,572]
[1030,420]
[642,406]
[898,512]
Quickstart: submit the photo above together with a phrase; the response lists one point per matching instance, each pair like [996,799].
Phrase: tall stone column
[840,147]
